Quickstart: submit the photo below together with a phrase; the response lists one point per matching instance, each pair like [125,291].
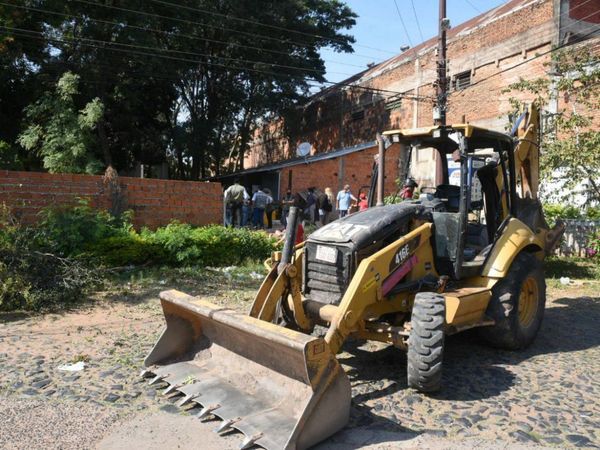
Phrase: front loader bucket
[282,389]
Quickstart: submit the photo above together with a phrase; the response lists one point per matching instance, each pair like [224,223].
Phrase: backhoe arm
[527,152]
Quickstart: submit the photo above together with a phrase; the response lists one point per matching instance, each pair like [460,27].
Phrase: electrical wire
[473,6]
[255,70]
[190,22]
[542,33]
[313,82]
[77,40]
[593,27]
[205,55]
[403,24]
[255,22]
[539,55]
[156,30]
[412,2]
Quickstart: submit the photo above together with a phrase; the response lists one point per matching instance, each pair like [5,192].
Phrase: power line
[156,30]
[255,22]
[316,83]
[542,32]
[412,2]
[205,55]
[191,22]
[473,6]
[136,74]
[352,85]
[539,55]
[403,25]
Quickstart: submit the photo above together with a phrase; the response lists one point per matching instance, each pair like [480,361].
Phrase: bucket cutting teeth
[186,399]
[171,388]
[158,378]
[249,441]
[225,425]
[145,372]
[206,411]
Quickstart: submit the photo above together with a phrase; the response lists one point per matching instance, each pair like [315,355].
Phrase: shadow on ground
[472,370]
[570,324]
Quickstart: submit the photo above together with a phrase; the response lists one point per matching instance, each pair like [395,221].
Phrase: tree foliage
[182,83]
[60,134]
[571,140]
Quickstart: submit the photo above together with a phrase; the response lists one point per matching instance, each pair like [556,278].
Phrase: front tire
[517,305]
[426,342]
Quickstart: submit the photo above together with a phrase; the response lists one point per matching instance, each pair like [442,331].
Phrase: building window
[462,80]
[365,98]
[358,115]
[393,104]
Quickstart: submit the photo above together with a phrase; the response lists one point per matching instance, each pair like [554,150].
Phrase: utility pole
[439,111]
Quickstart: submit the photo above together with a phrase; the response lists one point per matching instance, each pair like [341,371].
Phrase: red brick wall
[354,169]
[154,202]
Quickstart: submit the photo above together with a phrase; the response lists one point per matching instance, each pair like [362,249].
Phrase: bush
[554,212]
[70,230]
[593,213]
[83,232]
[594,245]
[211,245]
[128,249]
[32,278]
[55,262]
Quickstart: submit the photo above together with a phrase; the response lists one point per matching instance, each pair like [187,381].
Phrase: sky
[379,32]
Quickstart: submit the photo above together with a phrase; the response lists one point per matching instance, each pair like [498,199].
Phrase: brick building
[486,54]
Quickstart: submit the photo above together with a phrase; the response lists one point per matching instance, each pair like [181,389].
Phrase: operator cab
[464,173]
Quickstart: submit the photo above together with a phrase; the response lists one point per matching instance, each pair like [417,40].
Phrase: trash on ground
[565,281]
[75,367]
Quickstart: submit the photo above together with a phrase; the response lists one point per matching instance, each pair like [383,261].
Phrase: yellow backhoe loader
[465,254]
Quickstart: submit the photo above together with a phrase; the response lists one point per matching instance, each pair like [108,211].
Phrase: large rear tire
[426,342]
[517,305]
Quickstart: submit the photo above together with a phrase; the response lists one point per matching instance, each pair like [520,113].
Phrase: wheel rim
[528,301]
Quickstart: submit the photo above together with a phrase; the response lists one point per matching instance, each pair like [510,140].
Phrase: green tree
[63,136]
[251,60]
[183,82]
[18,85]
[571,140]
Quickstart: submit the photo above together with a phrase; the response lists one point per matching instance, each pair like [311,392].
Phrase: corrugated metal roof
[295,161]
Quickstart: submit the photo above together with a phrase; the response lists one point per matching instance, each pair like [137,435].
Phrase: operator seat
[450,195]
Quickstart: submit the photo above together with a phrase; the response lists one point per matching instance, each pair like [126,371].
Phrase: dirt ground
[547,395]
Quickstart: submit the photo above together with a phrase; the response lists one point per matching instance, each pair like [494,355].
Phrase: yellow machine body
[265,374]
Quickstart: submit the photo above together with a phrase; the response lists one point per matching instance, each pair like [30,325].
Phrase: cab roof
[470,131]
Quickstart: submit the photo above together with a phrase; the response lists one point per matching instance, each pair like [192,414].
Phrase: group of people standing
[239,204]
[318,207]
[322,207]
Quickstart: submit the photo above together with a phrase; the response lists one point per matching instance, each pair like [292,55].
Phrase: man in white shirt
[344,201]
[260,200]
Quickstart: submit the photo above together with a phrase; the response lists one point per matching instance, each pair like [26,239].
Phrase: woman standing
[329,215]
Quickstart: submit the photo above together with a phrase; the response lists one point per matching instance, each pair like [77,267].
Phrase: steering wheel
[428,190]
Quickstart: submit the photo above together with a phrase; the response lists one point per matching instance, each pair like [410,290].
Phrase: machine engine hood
[359,228]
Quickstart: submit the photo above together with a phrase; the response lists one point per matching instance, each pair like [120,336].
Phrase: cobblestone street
[546,395]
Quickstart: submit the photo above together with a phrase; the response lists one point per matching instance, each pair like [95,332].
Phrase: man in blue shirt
[344,200]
